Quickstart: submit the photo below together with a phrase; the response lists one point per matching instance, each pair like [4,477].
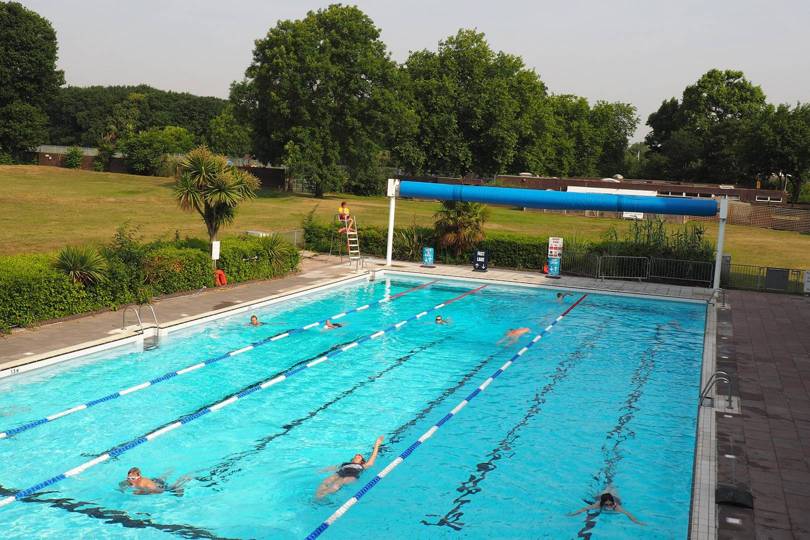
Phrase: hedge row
[514,250]
[32,289]
[505,250]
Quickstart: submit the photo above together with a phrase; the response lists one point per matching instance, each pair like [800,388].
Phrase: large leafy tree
[615,123]
[146,151]
[212,188]
[478,109]
[324,87]
[82,115]
[226,135]
[28,77]
[777,142]
[698,137]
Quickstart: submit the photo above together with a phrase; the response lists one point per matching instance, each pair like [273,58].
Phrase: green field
[44,208]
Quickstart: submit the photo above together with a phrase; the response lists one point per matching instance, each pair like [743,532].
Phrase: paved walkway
[764,344]
[30,344]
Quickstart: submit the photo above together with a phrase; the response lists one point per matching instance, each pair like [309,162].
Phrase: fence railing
[686,272]
[620,267]
[676,271]
[762,278]
[295,236]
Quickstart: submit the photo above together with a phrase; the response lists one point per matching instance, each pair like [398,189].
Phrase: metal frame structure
[557,200]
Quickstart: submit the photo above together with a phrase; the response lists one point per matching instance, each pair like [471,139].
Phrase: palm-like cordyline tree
[211,187]
[460,225]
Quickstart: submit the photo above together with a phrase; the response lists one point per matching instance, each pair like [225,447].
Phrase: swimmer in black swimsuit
[332,325]
[347,472]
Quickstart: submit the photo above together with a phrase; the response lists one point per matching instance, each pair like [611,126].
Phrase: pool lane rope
[166,428]
[194,367]
[430,432]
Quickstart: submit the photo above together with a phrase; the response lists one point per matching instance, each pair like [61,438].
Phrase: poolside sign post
[215,250]
[480,260]
[555,247]
[427,257]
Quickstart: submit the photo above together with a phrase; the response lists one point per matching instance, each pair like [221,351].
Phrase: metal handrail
[137,315]
[152,309]
[717,376]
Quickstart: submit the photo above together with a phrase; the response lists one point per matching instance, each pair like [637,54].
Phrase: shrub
[41,287]
[82,264]
[246,258]
[73,158]
[32,289]
[169,269]
[125,257]
[519,251]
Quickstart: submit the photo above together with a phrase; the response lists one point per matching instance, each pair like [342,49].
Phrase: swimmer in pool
[151,486]
[439,320]
[608,502]
[561,296]
[331,326]
[254,321]
[512,336]
[347,472]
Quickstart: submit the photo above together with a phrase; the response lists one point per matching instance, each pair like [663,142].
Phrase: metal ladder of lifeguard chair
[353,245]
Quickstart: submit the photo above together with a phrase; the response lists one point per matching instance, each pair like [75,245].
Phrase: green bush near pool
[33,289]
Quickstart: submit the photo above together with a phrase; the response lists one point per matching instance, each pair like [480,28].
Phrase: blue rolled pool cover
[557,200]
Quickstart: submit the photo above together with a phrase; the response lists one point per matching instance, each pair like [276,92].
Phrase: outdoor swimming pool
[609,395]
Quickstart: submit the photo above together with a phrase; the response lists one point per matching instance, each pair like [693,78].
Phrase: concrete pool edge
[703,511]
[130,337]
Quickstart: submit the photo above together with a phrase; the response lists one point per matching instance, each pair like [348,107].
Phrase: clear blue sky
[639,52]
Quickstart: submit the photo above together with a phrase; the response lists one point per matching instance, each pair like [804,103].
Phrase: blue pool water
[609,395]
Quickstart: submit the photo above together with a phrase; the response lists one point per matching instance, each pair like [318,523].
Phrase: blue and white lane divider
[188,369]
[429,433]
[129,445]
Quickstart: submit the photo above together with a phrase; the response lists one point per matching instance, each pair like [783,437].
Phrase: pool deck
[764,345]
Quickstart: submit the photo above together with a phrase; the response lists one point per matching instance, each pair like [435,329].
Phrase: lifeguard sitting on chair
[345,217]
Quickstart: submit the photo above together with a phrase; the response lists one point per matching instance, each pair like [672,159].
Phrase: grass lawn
[44,208]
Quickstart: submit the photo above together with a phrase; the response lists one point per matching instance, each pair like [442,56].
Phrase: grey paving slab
[767,353]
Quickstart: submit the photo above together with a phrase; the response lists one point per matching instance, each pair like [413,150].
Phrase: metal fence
[676,271]
[295,237]
[620,267]
[685,272]
[763,278]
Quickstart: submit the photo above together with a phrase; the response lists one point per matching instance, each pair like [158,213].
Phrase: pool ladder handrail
[155,341]
[717,377]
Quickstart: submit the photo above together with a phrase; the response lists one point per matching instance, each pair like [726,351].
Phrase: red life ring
[220,277]
[545,269]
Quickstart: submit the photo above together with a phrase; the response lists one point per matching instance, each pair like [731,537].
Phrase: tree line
[323,97]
